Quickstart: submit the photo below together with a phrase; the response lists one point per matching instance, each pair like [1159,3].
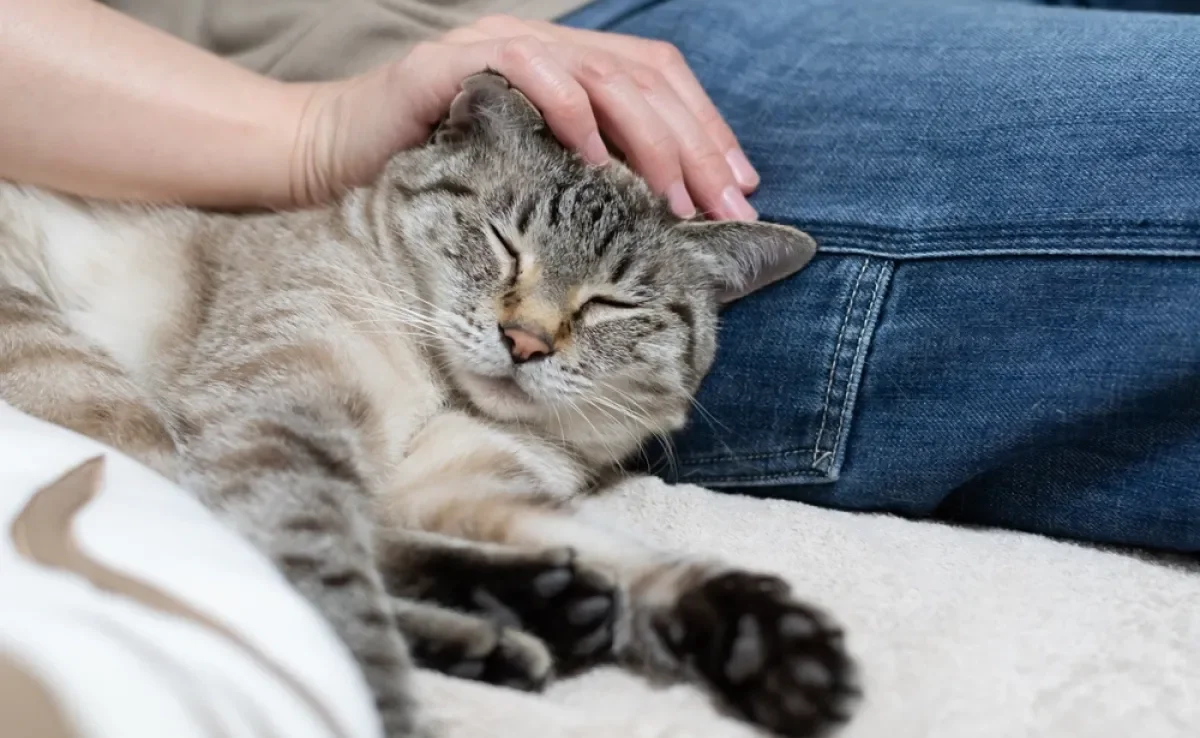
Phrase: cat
[408,399]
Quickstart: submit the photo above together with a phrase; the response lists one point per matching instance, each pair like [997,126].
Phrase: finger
[433,73]
[708,175]
[706,172]
[631,122]
[669,62]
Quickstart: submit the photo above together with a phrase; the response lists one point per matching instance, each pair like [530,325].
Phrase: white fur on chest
[118,278]
[401,385]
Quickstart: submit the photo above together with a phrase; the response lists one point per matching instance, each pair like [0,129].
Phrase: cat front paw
[572,608]
[569,606]
[490,654]
[775,661]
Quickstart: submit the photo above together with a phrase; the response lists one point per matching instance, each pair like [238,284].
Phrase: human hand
[640,93]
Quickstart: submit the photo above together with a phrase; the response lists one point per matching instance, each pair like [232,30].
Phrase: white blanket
[960,633]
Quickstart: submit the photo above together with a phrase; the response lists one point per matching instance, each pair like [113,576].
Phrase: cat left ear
[746,257]
[487,105]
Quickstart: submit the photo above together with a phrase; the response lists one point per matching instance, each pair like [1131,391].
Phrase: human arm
[98,104]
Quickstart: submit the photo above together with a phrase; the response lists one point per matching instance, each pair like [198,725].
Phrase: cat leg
[546,591]
[472,647]
[769,657]
[285,471]
[774,660]
[52,372]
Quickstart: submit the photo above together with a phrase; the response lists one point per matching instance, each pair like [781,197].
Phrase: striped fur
[334,384]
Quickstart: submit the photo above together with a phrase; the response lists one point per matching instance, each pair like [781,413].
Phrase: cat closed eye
[505,243]
[608,302]
[509,249]
[612,302]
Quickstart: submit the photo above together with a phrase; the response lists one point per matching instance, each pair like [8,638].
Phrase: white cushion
[117,667]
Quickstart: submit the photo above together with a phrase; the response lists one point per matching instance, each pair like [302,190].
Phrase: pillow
[130,611]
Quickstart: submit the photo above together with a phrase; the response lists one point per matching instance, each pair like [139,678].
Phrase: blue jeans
[1002,326]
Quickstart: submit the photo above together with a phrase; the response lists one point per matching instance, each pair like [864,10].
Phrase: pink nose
[525,345]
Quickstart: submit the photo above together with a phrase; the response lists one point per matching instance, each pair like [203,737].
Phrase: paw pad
[775,661]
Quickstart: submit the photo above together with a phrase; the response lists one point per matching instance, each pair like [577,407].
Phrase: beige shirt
[320,39]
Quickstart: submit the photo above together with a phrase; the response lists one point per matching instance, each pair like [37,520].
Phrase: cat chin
[499,397]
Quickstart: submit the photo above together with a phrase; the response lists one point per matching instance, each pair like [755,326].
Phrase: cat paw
[775,661]
[495,655]
[570,607]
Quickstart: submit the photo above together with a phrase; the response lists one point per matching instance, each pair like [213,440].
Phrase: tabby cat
[405,399]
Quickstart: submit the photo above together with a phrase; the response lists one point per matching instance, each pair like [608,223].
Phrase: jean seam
[813,450]
[718,481]
[860,354]
[873,310]
[1049,240]
[1090,229]
[832,246]
[834,360]
[860,342]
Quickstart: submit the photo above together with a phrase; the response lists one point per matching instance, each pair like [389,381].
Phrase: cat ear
[745,257]
[487,106]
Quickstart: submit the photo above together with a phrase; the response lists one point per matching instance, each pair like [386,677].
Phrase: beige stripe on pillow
[42,534]
[27,708]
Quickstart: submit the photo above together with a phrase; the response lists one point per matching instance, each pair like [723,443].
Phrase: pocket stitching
[872,309]
[860,353]
[835,358]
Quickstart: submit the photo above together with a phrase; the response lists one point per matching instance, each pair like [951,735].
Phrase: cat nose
[524,344]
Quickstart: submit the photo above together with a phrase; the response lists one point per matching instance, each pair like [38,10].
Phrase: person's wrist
[341,137]
[307,177]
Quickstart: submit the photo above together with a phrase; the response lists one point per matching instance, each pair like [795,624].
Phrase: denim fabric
[1002,326]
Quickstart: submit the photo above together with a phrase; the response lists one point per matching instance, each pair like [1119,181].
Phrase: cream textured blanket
[961,633]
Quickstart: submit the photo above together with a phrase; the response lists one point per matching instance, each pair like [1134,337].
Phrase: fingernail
[734,205]
[743,171]
[596,153]
[680,201]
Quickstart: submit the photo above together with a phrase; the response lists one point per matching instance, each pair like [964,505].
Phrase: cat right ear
[487,106]
[745,257]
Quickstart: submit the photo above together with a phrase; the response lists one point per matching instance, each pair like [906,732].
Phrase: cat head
[564,296]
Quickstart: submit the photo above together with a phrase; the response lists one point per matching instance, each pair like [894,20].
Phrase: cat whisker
[599,436]
[412,328]
[397,313]
[644,422]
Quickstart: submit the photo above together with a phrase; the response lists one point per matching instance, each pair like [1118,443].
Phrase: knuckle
[522,50]
[708,116]
[711,119]
[709,169]
[708,159]
[664,147]
[664,55]
[648,79]
[571,104]
[601,66]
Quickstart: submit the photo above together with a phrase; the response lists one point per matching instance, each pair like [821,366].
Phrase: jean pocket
[778,404]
